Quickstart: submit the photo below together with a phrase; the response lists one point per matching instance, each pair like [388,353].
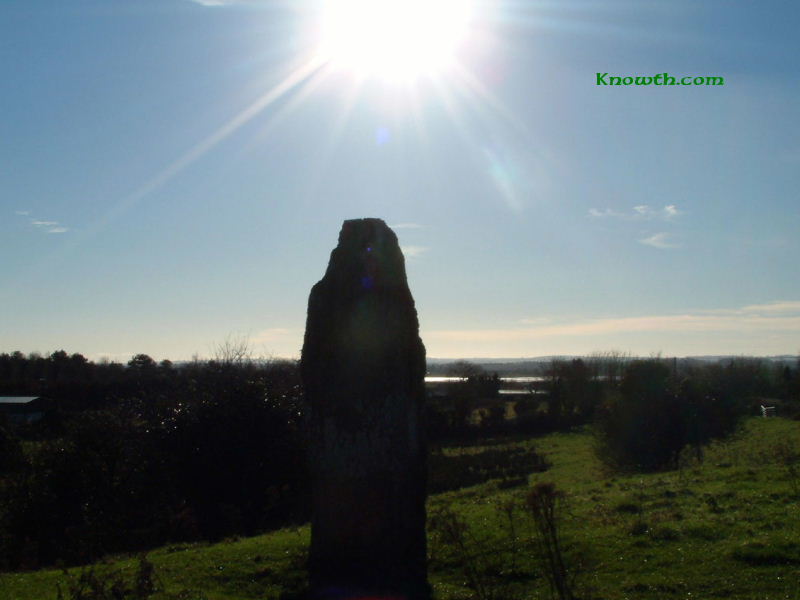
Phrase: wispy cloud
[43,225]
[212,2]
[641,212]
[413,251]
[606,212]
[781,316]
[770,308]
[406,226]
[774,307]
[49,226]
[536,321]
[661,240]
[670,211]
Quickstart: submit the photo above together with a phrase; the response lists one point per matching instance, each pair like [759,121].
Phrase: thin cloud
[640,212]
[413,251]
[775,317]
[48,226]
[22,213]
[406,226]
[774,307]
[536,321]
[211,2]
[659,240]
[607,212]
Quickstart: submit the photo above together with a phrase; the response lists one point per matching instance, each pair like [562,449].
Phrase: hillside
[726,528]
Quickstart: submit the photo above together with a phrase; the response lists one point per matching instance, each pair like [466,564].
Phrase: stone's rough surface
[363,368]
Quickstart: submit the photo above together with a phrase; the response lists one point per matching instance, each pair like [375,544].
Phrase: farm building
[23,409]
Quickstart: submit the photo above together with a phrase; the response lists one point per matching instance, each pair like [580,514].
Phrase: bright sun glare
[393,39]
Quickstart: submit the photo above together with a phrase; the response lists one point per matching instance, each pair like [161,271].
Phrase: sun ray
[288,84]
[482,93]
[340,124]
[300,94]
[473,110]
[297,77]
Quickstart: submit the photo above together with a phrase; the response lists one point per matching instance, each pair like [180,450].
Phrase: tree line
[135,455]
[645,413]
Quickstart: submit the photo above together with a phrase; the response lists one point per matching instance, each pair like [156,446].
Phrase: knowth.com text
[660,79]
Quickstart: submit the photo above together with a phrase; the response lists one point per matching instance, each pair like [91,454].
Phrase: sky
[174,173]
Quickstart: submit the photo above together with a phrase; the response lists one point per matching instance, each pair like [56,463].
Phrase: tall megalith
[363,368]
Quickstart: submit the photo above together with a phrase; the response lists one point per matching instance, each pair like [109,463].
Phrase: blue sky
[175,172]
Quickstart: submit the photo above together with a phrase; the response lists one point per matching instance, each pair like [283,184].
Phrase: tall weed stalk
[543,503]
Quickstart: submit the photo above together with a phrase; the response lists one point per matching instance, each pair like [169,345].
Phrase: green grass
[726,528]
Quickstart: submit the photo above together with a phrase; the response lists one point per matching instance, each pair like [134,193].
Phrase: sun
[396,40]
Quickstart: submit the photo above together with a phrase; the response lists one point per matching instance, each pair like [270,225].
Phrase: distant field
[726,528]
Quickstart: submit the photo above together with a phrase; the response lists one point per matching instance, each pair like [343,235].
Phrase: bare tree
[609,365]
[233,350]
[464,369]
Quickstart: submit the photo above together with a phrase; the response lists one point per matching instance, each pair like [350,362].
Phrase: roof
[17,399]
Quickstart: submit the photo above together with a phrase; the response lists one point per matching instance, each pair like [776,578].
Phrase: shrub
[573,392]
[11,456]
[81,495]
[88,585]
[510,464]
[220,454]
[647,422]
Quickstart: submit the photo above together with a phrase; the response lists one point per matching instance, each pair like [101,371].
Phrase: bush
[220,454]
[508,464]
[111,586]
[11,456]
[652,416]
[93,491]
[574,393]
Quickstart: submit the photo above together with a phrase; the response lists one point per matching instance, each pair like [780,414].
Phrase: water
[437,379]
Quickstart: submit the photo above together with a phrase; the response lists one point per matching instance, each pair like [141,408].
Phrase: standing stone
[363,368]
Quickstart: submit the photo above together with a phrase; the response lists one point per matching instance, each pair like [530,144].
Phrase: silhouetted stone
[363,368]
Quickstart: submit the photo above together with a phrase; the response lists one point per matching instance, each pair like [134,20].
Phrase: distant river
[430,379]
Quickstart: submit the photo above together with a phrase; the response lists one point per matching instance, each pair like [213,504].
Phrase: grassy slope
[729,528]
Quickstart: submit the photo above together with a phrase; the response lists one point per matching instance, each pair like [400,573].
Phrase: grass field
[728,527]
